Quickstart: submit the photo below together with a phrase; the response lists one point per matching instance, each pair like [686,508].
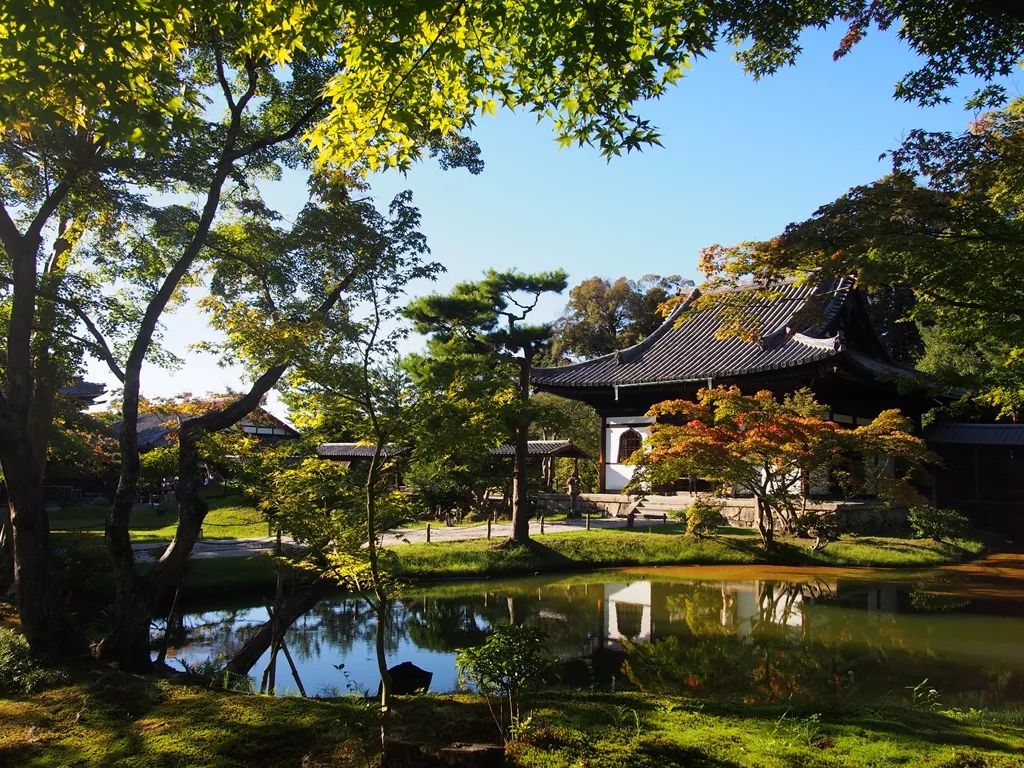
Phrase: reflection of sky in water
[880,634]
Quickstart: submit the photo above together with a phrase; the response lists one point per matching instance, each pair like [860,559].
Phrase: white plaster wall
[617,474]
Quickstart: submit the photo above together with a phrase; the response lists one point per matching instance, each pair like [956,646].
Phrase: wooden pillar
[601,456]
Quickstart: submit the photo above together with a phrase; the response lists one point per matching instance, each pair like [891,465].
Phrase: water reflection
[755,640]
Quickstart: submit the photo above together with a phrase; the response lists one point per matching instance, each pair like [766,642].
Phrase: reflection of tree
[701,606]
[443,625]
[928,602]
[757,641]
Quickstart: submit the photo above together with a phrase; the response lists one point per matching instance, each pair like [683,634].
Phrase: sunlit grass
[230,517]
[610,548]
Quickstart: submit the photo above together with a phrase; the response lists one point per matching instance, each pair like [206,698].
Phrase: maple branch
[100,345]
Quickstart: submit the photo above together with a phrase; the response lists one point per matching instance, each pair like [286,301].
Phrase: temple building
[815,335]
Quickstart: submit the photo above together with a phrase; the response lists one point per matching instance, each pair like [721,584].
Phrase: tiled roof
[85,391]
[691,352]
[349,451]
[564,448]
[976,434]
[153,427]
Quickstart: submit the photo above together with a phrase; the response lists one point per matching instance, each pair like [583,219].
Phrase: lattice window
[629,443]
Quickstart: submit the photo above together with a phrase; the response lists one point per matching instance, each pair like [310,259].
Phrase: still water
[751,633]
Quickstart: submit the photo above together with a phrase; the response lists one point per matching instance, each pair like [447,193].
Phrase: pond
[954,636]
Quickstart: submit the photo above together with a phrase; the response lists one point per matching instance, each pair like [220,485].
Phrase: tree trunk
[137,598]
[41,607]
[26,417]
[765,522]
[6,549]
[520,511]
[127,639]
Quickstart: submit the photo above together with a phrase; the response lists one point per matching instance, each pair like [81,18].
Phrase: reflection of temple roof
[796,325]
[554,448]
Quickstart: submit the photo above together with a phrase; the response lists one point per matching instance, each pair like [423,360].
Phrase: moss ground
[105,719]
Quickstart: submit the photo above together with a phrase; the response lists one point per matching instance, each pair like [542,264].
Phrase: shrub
[513,661]
[703,517]
[821,525]
[214,673]
[20,671]
[930,522]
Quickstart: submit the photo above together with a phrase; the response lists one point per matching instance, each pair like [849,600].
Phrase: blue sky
[741,159]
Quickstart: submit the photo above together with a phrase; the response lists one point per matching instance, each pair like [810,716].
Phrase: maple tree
[766,448]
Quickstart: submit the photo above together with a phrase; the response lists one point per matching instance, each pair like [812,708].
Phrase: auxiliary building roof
[555,448]
[797,324]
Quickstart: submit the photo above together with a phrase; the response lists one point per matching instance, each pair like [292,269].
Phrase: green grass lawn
[662,546]
[230,517]
[103,719]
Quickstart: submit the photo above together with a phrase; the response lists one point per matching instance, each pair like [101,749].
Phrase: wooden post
[428,533]
[488,527]
[588,518]
[542,525]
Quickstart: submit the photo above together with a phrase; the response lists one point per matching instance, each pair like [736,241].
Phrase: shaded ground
[107,719]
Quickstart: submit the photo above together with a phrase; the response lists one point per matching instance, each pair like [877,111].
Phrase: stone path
[211,548]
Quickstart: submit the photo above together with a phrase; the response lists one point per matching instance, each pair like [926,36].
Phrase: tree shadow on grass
[114,719]
[530,556]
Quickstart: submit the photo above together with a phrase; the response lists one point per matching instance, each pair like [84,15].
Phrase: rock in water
[407,678]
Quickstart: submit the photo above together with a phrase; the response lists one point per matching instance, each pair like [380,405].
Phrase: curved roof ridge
[618,354]
[628,354]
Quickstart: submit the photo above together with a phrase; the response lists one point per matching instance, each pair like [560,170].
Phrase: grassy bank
[610,548]
[88,575]
[105,719]
[230,517]
[574,552]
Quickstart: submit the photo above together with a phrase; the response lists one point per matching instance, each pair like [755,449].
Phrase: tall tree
[603,316]
[104,97]
[355,372]
[115,103]
[352,87]
[488,318]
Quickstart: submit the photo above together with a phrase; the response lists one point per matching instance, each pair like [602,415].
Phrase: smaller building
[982,473]
[84,394]
[156,428]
